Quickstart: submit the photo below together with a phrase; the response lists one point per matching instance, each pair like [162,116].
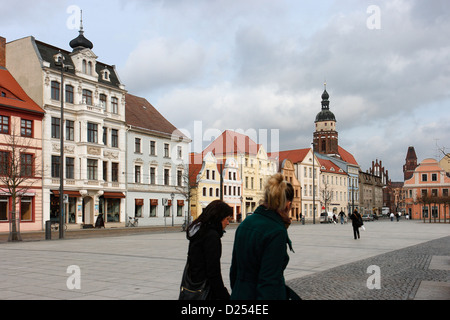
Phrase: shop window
[26,209]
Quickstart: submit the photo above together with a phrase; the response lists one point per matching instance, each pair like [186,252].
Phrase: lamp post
[172,195]
[314,186]
[59,61]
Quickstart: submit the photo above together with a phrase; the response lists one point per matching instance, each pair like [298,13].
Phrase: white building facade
[95,129]
[157,167]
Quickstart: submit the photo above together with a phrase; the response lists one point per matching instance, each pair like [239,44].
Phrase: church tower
[410,163]
[326,137]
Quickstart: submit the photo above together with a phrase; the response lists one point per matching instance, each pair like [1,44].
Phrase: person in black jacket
[356,223]
[205,247]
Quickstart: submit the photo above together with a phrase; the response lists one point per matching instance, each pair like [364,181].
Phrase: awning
[114,195]
[71,194]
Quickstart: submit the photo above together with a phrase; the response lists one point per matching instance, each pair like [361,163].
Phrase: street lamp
[314,186]
[172,195]
[59,62]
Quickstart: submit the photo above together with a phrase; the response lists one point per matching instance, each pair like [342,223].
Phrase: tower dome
[80,42]
[325,114]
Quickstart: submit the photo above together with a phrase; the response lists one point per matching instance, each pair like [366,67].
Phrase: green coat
[260,258]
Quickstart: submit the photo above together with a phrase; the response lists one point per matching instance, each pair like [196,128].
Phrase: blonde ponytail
[275,195]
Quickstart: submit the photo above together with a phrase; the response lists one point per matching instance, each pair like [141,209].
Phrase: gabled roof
[296,156]
[330,167]
[16,97]
[141,114]
[233,143]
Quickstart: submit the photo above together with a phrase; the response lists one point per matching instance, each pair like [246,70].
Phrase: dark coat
[205,251]
[260,258]
[356,220]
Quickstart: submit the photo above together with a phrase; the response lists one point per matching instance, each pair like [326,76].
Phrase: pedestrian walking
[356,223]
[205,250]
[260,247]
[342,216]
[392,216]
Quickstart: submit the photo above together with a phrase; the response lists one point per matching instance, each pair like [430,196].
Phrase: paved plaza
[392,261]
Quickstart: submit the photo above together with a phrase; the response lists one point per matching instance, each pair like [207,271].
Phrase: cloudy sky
[259,66]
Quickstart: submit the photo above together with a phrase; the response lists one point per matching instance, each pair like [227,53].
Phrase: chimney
[2,52]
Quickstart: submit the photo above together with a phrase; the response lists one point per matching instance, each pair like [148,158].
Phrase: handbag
[190,290]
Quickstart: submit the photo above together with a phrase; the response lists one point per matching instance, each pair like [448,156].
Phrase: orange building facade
[426,193]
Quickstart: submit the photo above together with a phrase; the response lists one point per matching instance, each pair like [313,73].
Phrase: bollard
[48,230]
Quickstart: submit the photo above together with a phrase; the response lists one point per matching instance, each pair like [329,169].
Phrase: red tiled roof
[330,167]
[16,97]
[232,143]
[140,113]
[296,156]
[347,156]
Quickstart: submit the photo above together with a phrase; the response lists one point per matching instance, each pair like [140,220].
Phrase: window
[103,101]
[56,129]
[115,172]
[92,133]
[105,136]
[114,138]
[166,177]
[55,166]
[153,176]
[434,177]
[204,192]
[445,192]
[114,105]
[26,165]
[153,148]
[166,150]
[434,192]
[180,152]
[424,193]
[69,94]
[26,209]
[137,174]
[4,162]
[26,128]
[4,213]
[70,130]
[87,97]
[424,177]
[92,166]
[55,90]
[4,124]
[70,168]
[180,178]
[105,170]
[137,145]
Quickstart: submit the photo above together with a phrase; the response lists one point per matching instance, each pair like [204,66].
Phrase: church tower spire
[326,137]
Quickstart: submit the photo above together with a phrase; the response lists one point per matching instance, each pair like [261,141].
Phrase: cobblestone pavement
[401,273]
[147,264]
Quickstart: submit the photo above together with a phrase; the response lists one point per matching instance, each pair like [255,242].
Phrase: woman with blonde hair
[260,247]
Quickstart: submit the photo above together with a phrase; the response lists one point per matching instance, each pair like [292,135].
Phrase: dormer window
[105,74]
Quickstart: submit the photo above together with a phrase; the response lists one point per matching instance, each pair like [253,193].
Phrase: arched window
[84,66]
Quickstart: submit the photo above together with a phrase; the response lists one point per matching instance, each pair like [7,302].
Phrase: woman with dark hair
[260,247]
[205,247]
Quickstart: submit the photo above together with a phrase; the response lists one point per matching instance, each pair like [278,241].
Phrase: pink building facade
[20,155]
[427,193]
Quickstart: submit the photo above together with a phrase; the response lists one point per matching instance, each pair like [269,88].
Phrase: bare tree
[18,172]
[326,193]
